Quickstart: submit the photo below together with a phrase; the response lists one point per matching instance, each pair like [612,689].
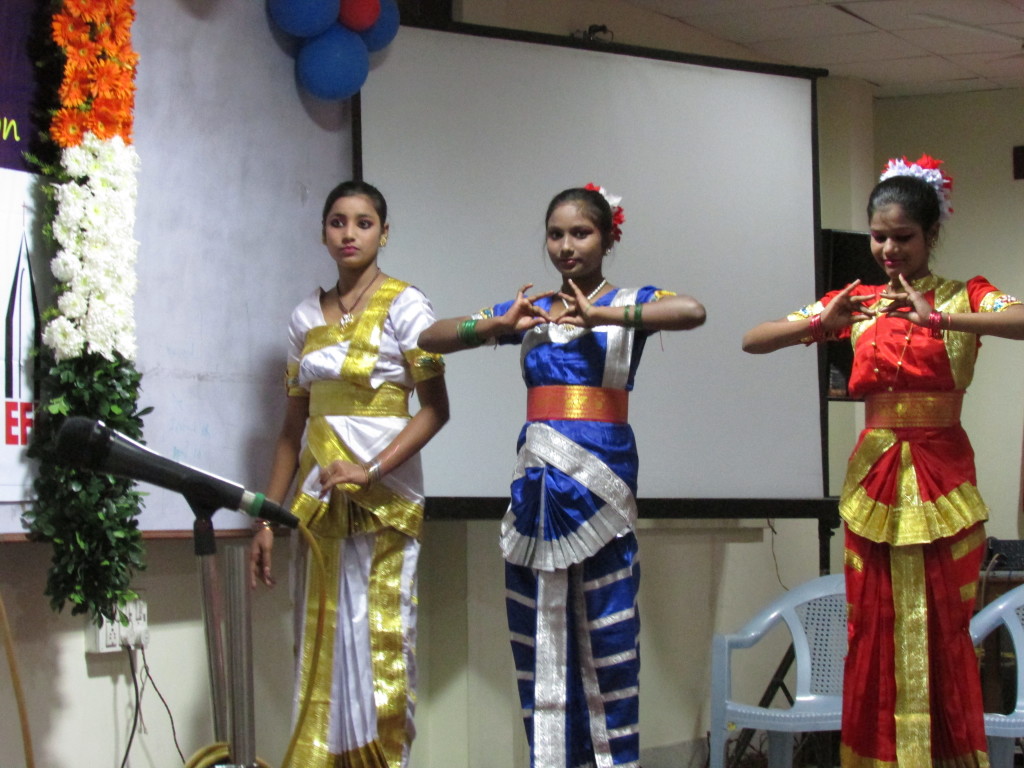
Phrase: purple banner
[16,82]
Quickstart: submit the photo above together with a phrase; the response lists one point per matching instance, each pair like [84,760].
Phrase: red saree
[915,530]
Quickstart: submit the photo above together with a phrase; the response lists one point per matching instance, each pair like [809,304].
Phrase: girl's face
[899,245]
[574,243]
[352,232]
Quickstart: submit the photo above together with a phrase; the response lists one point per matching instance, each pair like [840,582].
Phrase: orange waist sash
[578,403]
[913,409]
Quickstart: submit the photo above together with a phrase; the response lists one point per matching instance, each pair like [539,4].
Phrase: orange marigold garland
[95,36]
[89,340]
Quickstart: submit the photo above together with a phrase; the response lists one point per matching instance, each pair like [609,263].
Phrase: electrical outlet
[105,638]
[112,636]
[136,634]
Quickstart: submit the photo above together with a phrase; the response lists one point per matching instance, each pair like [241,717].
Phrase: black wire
[775,558]
[170,715]
[138,705]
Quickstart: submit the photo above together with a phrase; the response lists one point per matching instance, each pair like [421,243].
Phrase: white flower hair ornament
[618,216]
[927,169]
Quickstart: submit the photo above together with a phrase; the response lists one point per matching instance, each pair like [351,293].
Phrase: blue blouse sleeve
[646,295]
[650,293]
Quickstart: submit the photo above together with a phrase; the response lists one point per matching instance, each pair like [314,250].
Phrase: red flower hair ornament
[927,169]
[618,216]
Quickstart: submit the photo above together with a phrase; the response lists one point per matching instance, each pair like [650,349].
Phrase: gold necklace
[903,352]
[346,314]
[906,342]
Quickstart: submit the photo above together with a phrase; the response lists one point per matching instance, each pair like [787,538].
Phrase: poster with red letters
[17,286]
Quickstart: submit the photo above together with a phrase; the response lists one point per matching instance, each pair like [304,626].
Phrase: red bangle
[817,332]
[935,324]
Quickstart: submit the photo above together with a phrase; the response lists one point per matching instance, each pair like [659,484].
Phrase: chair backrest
[815,614]
[1005,611]
[823,621]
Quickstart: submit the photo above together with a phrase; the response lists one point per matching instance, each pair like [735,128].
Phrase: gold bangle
[259,524]
[372,470]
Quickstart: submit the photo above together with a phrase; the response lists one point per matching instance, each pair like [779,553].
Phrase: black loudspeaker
[846,256]
[1004,555]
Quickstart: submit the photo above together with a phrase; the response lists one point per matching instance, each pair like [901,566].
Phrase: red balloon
[358,15]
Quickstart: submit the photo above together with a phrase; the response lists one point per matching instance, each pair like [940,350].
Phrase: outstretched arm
[844,309]
[457,333]
[1007,324]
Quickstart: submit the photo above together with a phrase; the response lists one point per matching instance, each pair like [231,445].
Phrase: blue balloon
[304,18]
[384,29]
[333,65]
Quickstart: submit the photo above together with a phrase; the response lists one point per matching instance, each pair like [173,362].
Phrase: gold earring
[383,240]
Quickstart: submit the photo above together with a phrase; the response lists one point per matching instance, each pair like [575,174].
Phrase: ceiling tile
[778,24]
[921,69]
[994,66]
[682,8]
[925,89]
[896,15]
[901,46]
[825,51]
[946,40]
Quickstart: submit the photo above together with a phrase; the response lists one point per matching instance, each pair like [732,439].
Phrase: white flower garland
[95,262]
[939,181]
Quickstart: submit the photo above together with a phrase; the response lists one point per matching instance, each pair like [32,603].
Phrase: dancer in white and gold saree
[352,446]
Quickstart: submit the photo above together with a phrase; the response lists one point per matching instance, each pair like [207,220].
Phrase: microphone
[90,444]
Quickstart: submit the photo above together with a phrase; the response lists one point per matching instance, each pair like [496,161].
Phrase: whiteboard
[469,137]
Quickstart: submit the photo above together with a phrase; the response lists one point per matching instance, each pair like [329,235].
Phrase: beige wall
[697,578]
[80,705]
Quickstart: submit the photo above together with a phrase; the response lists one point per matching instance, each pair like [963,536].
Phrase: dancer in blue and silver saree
[572,565]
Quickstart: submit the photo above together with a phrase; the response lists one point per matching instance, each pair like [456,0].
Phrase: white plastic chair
[815,614]
[1002,730]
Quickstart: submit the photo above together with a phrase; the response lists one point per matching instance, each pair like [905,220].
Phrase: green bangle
[467,334]
[625,315]
[638,321]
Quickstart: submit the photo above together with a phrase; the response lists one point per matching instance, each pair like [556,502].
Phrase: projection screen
[469,137]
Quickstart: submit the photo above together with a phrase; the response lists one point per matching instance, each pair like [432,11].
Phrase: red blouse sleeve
[985,297]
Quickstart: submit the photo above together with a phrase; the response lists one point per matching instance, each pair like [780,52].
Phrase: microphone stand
[238,698]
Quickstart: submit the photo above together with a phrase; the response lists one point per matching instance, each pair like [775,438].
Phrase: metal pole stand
[231,684]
